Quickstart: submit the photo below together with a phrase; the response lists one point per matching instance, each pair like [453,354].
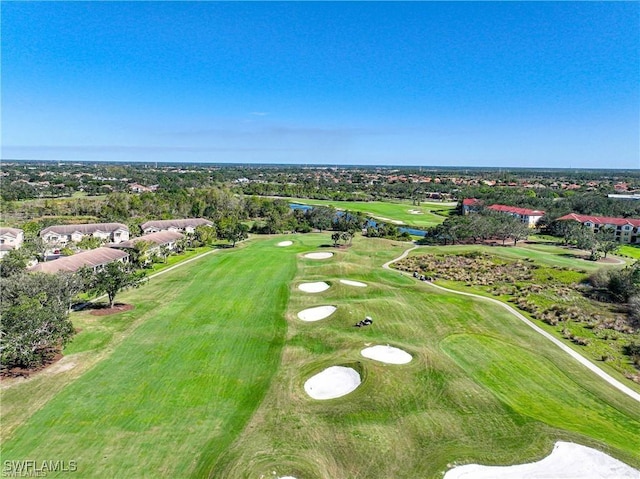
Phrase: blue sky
[548,84]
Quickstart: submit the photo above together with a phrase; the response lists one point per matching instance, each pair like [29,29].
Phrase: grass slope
[177,390]
[412,420]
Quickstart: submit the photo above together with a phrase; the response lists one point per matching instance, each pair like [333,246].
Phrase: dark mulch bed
[25,372]
[105,310]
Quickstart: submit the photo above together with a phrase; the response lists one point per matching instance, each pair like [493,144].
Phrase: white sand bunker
[285,243]
[316,287]
[566,461]
[322,255]
[387,354]
[353,283]
[333,382]
[415,212]
[317,313]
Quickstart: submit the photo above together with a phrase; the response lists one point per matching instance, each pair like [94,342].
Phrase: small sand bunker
[333,382]
[285,243]
[566,461]
[415,212]
[317,313]
[353,283]
[387,354]
[316,287]
[321,255]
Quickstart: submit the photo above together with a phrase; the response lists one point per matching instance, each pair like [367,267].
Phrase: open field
[399,211]
[204,378]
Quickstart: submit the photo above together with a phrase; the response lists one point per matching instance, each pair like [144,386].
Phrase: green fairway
[204,378]
[177,390]
[396,212]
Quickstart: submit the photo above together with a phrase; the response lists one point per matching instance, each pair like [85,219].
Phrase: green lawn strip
[630,251]
[396,210]
[179,388]
[535,387]
[403,420]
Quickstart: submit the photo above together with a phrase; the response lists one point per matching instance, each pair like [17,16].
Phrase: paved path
[574,354]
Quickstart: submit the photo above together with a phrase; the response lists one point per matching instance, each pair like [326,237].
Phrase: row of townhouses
[116,236]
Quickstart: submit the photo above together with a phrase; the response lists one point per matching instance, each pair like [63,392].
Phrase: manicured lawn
[396,210]
[202,346]
[630,251]
[412,420]
[204,378]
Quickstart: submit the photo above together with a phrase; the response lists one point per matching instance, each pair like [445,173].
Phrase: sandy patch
[333,382]
[321,255]
[353,283]
[317,313]
[61,367]
[316,287]
[389,220]
[387,354]
[415,212]
[285,243]
[566,461]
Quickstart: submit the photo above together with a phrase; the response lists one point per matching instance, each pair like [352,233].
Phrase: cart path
[574,354]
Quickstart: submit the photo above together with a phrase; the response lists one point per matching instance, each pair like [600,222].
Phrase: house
[10,239]
[470,205]
[94,259]
[187,225]
[625,230]
[159,238]
[64,234]
[527,216]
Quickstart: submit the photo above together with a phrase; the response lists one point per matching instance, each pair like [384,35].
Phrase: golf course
[397,212]
[205,377]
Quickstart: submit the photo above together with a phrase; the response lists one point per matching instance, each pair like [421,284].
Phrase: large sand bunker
[333,382]
[353,283]
[316,287]
[387,354]
[321,255]
[317,313]
[285,243]
[566,461]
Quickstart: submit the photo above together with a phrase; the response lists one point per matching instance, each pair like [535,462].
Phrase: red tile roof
[515,210]
[601,220]
[470,202]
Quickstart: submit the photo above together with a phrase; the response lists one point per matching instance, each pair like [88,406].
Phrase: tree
[606,241]
[335,237]
[90,242]
[231,229]
[139,254]
[14,262]
[35,318]
[321,217]
[206,235]
[113,278]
